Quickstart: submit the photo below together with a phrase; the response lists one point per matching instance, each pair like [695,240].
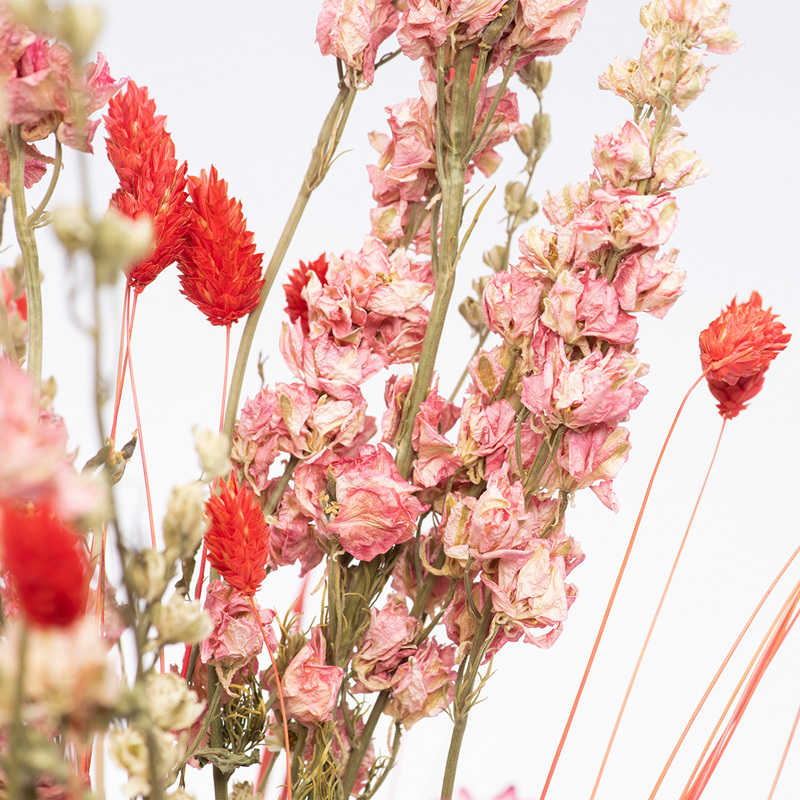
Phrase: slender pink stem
[286,746]
[779,630]
[655,618]
[719,672]
[785,753]
[614,591]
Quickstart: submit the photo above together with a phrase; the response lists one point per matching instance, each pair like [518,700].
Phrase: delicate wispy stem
[30,254]
[610,604]
[785,753]
[321,158]
[655,618]
[37,213]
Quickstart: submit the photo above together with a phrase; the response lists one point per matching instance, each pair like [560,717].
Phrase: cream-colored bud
[524,139]
[118,243]
[541,132]
[180,620]
[74,228]
[128,748]
[241,791]
[214,450]
[184,523]
[536,75]
[78,25]
[173,705]
[530,208]
[495,258]
[147,572]
[515,196]
[471,310]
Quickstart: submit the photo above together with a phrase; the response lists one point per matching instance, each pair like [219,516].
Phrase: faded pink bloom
[34,463]
[487,370]
[387,641]
[436,458]
[560,306]
[599,312]
[293,538]
[487,431]
[352,30]
[696,23]
[675,167]
[593,459]
[646,283]
[475,14]
[623,156]
[623,219]
[530,591]
[598,388]
[236,639]
[560,209]
[423,685]
[310,686]
[374,508]
[624,78]
[546,27]
[505,123]
[394,395]
[511,304]
[658,65]
[323,364]
[398,339]
[422,29]
[35,165]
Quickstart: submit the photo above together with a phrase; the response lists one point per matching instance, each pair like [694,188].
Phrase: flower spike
[237,537]
[736,349]
[220,268]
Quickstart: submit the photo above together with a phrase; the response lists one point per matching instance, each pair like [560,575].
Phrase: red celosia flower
[238,537]
[296,306]
[151,182]
[46,563]
[738,346]
[220,269]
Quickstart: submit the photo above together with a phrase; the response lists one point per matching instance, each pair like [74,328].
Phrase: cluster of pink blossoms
[43,94]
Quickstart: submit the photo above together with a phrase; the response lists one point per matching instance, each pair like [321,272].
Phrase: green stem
[464,698]
[321,158]
[452,183]
[357,753]
[216,739]
[280,486]
[30,254]
[40,209]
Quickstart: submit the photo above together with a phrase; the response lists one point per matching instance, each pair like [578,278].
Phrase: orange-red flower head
[151,181]
[238,537]
[220,269]
[46,564]
[736,349]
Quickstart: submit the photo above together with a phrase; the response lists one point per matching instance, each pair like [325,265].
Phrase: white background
[245,88]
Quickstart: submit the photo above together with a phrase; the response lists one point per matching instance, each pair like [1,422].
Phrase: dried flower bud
[515,196]
[214,451]
[184,523]
[472,311]
[173,705]
[495,259]
[536,75]
[128,748]
[530,208]
[524,139]
[118,242]
[181,621]
[78,26]
[73,227]
[147,572]
[541,132]
[241,791]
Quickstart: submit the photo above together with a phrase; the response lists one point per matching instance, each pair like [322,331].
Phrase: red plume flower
[296,306]
[46,564]
[238,537]
[739,346]
[151,182]
[220,269]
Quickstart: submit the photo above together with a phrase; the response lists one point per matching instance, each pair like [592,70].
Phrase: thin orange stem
[781,627]
[286,746]
[225,376]
[614,591]
[785,753]
[655,617]
[719,672]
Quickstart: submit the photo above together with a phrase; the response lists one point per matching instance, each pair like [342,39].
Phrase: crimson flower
[238,537]
[296,306]
[220,269]
[736,349]
[46,564]
[151,181]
